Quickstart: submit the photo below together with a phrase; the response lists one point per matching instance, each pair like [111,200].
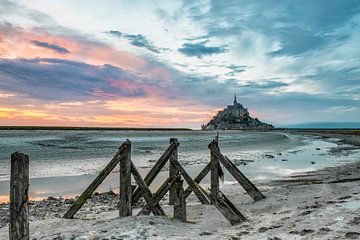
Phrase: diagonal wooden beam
[160,193]
[155,170]
[194,186]
[198,179]
[157,210]
[249,187]
[96,182]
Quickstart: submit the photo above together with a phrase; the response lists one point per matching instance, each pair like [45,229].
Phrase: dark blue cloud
[299,25]
[199,50]
[60,79]
[137,40]
[54,47]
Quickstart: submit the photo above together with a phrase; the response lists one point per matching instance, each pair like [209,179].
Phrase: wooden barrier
[19,188]
[129,194]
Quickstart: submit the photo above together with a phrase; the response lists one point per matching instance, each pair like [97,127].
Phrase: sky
[176,63]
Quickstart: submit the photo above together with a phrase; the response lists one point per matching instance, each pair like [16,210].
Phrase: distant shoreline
[90,128]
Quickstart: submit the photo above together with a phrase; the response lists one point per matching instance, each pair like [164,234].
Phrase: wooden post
[158,195]
[95,183]
[157,210]
[180,203]
[249,187]
[192,184]
[173,171]
[19,187]
[154,170]
[125,206]
[214,177]
[198,179]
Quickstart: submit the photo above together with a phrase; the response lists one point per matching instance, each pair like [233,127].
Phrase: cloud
[137,40]
[54,47]
[59,79]
[199,50]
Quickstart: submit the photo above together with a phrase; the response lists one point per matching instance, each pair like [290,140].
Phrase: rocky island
[235,117]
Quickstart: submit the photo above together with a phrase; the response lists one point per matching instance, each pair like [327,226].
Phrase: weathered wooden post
[173,171]
[19,187]
[180,202]
[214,177]
[125,205]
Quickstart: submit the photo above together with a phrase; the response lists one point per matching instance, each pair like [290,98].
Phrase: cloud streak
[200,50]
[54,47]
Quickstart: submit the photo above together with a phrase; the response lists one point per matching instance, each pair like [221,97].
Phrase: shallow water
[63,163]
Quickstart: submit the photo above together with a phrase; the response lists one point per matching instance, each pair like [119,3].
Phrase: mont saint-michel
[235,117]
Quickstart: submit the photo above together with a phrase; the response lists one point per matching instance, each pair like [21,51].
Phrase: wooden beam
[125,206]
[214,177]
[198,179]
[232,206]
[226,210]
[157,210]
[180,203]
[160,193]
[236,173]
[173,171]
[190,182]
[155,170]
[95,183]
[19,188]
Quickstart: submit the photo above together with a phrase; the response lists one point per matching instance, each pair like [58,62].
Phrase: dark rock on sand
[352,235]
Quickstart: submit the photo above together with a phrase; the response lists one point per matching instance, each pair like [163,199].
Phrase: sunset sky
[176,63]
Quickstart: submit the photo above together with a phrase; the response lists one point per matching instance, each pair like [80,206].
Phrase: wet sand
[321,204]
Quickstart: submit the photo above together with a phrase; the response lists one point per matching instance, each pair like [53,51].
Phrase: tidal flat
[310,181]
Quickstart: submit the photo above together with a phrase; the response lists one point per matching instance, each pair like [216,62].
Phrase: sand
[324,204]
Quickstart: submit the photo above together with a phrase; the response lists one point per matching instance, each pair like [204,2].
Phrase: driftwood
[19,187]
[95,183]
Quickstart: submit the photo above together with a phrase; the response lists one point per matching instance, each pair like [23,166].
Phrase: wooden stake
[180,203]
[95,183]
[198,179]
[19,188]
[173,171]
[155,170]
[125,206]
[160,193]
[214,179]
[157,210]
[249,187]
[194,186]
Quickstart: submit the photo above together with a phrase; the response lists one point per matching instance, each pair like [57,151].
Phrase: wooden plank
[125,206]
[232,206]
[19,188]
[173,171]
[155,170]
[180,203]
[225,210]
[214,177]
[95,183]
[198,179]
[157,210]
[191,183]
[237,174]
[160,193]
